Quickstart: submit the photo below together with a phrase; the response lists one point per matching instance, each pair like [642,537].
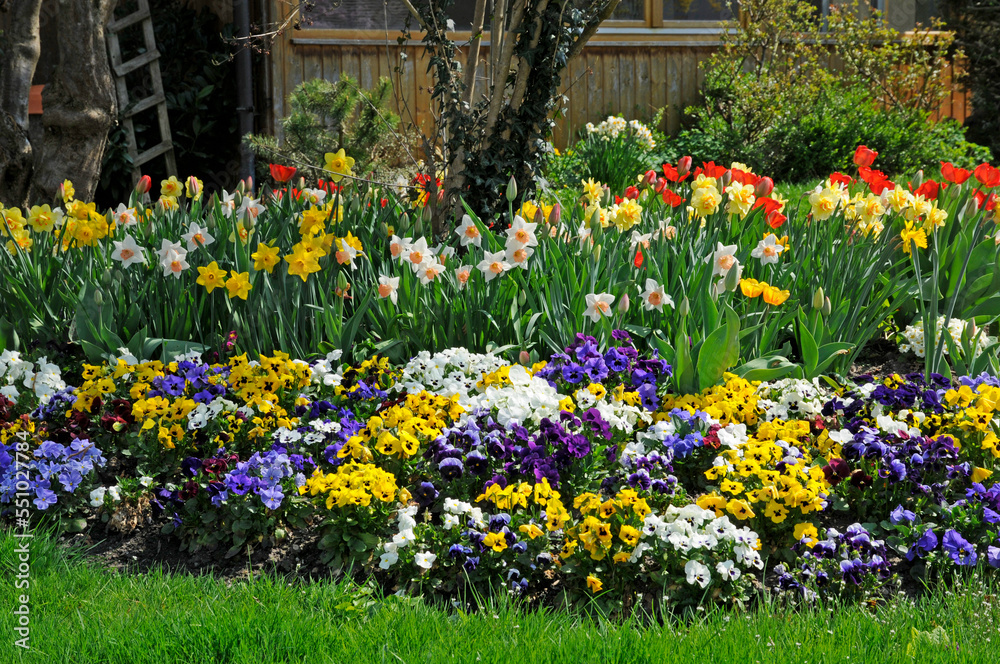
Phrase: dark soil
[881,358]
[145,549]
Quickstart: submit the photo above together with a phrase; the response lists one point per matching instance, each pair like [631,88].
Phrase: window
[697,10]
[374,15]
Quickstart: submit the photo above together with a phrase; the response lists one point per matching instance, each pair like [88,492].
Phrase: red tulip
[954,174]
[769,204]
[711,170]
[840,178]
[638,258]
[864,156]
[144,184]
[775,219]
[282,173]
[683,166]
[764,187]
[670,173]
[929,190]
[649,178]
[671,198]
[987,175]
[632,193]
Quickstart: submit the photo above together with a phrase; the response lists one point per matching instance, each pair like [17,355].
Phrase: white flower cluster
[914,336]
[690,531]
[526,399]
[44,381]
[327,371]
[447,373]
[615,126]
[792,398]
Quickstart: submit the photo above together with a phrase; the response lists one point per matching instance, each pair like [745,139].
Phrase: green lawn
[81,614]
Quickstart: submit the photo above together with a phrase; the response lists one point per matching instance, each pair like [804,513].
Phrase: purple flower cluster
[224,476]
[849,560]
[193,378]
[583,362]
[52,467]
[928,465]
[483,448]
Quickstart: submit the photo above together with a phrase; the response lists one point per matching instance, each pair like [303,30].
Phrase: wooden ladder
[148,59]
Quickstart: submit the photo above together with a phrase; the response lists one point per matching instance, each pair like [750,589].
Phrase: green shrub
[791,94]
[328,116]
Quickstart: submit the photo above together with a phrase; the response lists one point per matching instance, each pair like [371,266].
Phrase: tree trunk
[79,104]
[16,71]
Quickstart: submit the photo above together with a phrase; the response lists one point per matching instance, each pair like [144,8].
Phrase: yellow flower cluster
[399,430]
[352,484]
[735,402]
[607,524]
[751,484]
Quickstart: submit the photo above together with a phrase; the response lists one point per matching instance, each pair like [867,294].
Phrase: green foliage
[793,96]
[328,116]
[977,31]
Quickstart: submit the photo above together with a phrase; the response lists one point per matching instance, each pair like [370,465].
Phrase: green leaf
[771,367]
[807,345]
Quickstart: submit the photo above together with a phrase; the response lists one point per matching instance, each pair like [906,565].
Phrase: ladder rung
[145,104]
[126,21]
[153,153]
[136,62]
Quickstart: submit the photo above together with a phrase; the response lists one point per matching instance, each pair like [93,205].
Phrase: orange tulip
[752,287]
[774,296]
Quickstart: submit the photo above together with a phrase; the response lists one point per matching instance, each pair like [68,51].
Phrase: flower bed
[581,474]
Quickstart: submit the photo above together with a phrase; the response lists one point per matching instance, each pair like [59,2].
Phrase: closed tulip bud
[732,280]
[404,222]
[212,200]
[539,217]
[623,304]
[241,187]
[106,278]
[661,184]
[649,179]
[555,215]
[511,189]
[147,229]
[726,178]
[607,197]
[971,329]
[595,221]
[683,166]
[818,298]
[918,179]
[522,297]
[597,252]
[342,283]
[427,214]
[194,186]
[98,297]
[118,276]
[970,208]
[211,222]
[302,183]
[827,308]
[143,185]
[764,187]
[249,182]
[685,307]
[524,358]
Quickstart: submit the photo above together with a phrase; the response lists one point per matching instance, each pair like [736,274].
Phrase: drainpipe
[244,84]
